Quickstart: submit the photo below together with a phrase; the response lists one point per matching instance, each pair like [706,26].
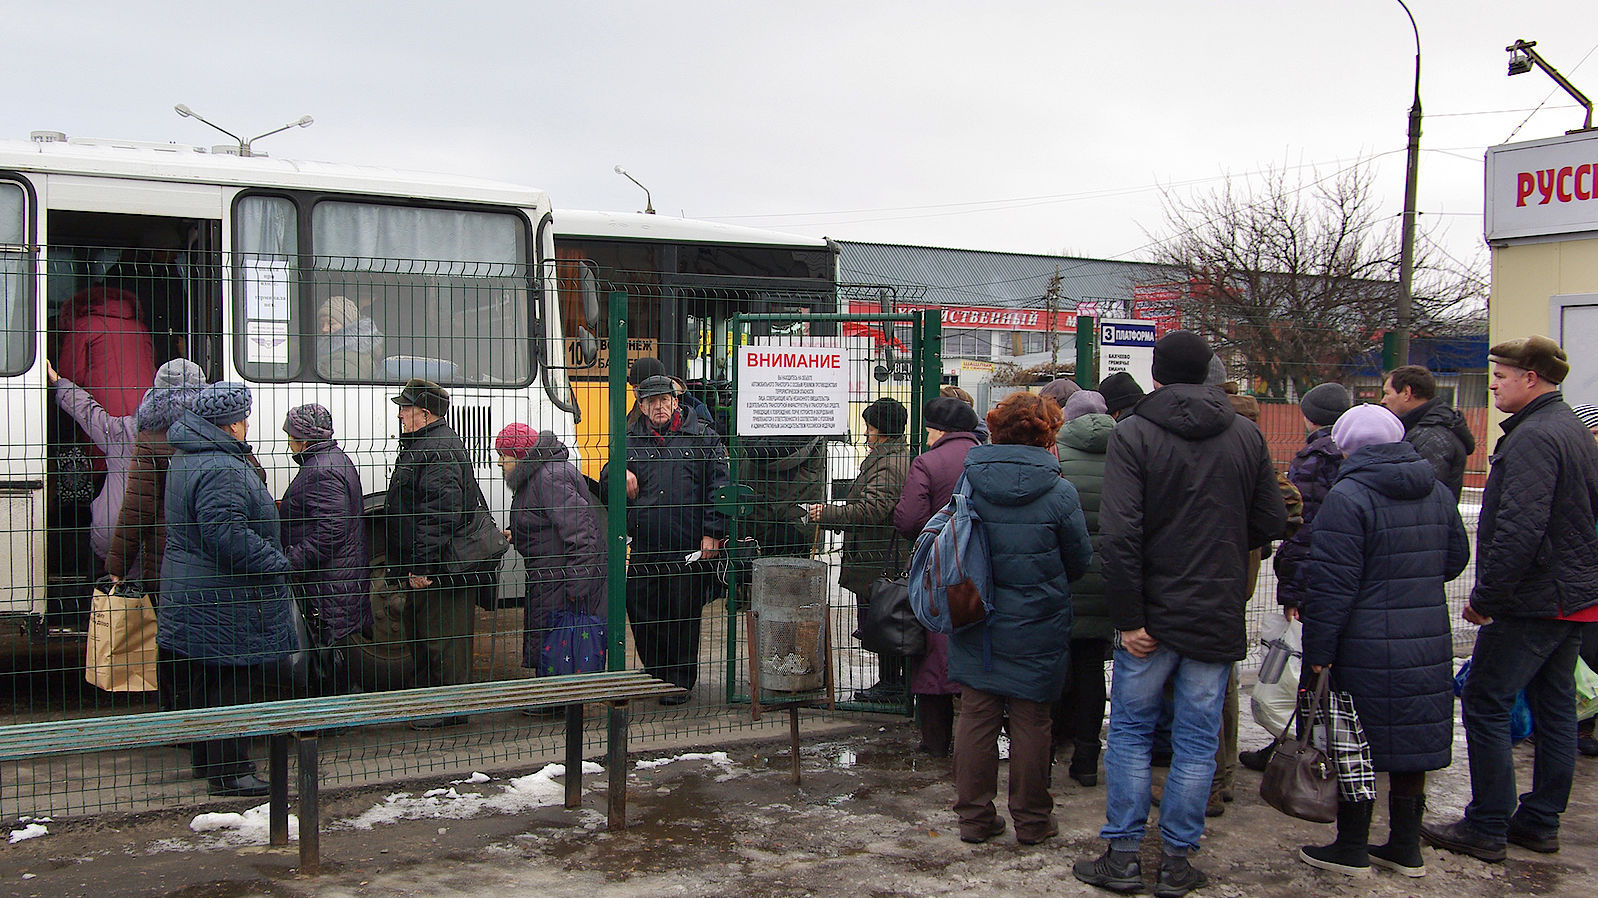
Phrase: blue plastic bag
[574,644]
[1520,721]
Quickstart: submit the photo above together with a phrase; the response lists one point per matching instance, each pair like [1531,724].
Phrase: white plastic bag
[1273,703]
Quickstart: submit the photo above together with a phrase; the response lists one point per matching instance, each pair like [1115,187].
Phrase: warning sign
[786,390]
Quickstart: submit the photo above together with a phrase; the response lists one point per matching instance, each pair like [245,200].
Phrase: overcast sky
[1035,127]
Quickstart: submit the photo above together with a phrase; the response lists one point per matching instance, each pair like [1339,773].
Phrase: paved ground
[871,818]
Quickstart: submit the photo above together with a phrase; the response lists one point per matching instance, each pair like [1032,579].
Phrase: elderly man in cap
[1189,489]
[426,505]
[1536,585]
[675,465]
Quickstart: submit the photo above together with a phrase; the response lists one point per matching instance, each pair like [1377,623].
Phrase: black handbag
[890,626]
[473,553]
[1300,779]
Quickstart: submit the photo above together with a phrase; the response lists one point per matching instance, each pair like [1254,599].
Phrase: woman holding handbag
[555,528]
[1387,538]
[870,550]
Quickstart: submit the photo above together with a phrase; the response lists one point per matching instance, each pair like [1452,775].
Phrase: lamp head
[620,170]
[1519,63]
[183,110]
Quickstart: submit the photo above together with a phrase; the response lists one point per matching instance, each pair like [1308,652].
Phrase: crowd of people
[1126,526]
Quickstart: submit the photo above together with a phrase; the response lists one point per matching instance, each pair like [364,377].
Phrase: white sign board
[789,390]
[1543,187]
[1127,345]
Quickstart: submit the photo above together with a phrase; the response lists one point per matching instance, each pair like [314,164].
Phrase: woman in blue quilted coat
[1387,538]
[224,598]
[1016,660]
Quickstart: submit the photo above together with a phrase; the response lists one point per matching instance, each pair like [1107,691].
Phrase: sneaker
[977,837]
[1178,877]
[1462,838]
[1109,871]
[1532,841]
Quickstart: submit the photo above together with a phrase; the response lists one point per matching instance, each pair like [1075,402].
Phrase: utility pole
[1406,252]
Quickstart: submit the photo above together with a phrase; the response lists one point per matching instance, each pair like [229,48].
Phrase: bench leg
[616,764]
[310,819]
[574,755]
[277,776]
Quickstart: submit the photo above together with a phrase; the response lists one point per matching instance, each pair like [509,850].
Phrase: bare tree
[1299,279]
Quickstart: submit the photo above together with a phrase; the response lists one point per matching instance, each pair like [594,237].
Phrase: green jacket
[866,518]
[1082,443]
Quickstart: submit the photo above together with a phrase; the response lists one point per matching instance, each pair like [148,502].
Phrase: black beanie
[887,415]
[1181,357]
[949,415]
[645,367]
[1325,404]
[1120,391]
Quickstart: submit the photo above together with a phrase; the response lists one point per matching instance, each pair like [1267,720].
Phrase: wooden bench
[301,718]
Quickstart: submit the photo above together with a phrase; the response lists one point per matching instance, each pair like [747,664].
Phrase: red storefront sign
[1161,303]
[984,317]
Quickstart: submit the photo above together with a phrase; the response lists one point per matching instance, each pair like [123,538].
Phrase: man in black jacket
[424,507]
[1437,432]
[1536,584]
[1189,490]
[675,464]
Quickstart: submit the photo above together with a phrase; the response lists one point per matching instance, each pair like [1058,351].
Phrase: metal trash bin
[789,602]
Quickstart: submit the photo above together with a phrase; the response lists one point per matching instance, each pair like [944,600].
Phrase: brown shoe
[978,836]
[1050,832]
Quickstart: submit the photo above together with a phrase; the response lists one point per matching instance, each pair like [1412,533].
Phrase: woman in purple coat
[951,433]
[555,528]
[324,535]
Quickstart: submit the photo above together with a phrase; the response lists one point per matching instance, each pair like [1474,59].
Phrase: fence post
[616,487]
[927,352]
[1087,375]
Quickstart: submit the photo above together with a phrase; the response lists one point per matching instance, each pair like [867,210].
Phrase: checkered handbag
[1347,746]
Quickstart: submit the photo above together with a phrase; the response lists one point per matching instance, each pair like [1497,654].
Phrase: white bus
[255,268]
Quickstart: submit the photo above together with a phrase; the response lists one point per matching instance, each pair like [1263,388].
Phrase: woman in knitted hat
[139,536]
[224,597]
[324,536]
[1387,538]
[554,525]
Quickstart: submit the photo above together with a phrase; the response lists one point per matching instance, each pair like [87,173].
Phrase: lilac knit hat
[1366,425]
[311,422]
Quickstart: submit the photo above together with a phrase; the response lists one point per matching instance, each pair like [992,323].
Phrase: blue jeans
[1539,656]
[1136,689]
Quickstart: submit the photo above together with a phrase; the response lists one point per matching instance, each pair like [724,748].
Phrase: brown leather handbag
[1300,779]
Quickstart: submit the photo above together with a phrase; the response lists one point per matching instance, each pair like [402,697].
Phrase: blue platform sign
[1127,345]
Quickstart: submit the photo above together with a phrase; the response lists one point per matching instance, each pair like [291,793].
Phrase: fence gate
[796,438]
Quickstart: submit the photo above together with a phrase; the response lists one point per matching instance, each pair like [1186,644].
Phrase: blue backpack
[951,572]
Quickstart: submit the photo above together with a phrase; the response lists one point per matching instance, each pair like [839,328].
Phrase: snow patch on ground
[846,758]
[718,758]
[253,827]
[30,831]
[538,789]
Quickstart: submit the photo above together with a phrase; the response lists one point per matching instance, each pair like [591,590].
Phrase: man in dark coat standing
[675,465]
[324,536]
[424,509]
[1536,586]
[1437,432]
[1189,490]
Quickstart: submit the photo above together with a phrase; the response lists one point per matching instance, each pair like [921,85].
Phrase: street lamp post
[1406,252]
[245,144]
[649,204]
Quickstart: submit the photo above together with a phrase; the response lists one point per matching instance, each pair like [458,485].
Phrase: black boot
[1349,854]
[1402,854]
[889,687]
[1085,763]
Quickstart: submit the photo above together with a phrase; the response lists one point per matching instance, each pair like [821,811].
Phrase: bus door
[124,293]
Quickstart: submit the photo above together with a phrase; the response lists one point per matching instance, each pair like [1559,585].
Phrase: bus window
[267,315]
[411,292]
[16,350]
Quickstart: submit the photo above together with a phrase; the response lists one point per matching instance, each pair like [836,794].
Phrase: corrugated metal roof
[964,277]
